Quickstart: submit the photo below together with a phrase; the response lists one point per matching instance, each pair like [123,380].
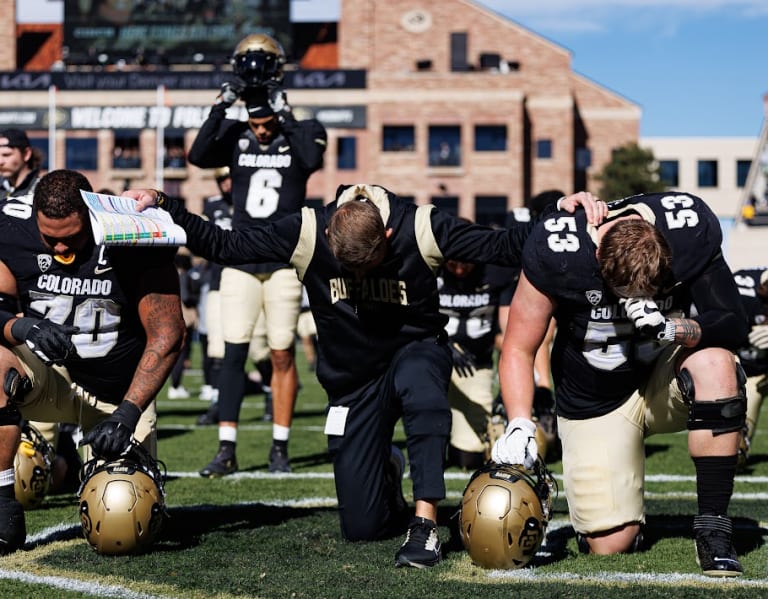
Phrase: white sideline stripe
[80,586]
[531,575]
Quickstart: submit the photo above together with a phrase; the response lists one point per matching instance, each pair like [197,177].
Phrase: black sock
[227,447]
[714,483]
[280,444]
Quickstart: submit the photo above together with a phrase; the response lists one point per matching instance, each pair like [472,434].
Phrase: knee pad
[721,415]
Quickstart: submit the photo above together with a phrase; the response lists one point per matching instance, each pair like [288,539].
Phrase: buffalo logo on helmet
[504,514]
[122,503]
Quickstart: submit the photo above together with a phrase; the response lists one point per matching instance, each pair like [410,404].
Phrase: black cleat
[421,548]
[714,550]
[13,528]
[223,463]
[278,459]
[211,415]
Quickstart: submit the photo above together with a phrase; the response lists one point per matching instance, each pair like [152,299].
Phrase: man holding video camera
[270,156]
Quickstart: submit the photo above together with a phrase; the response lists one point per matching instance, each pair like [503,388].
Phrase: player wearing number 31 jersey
[648,316]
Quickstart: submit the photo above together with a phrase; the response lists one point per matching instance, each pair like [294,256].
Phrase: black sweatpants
[415,388]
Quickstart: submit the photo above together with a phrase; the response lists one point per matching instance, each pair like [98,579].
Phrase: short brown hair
[356,234]
[635,259]
[57,194]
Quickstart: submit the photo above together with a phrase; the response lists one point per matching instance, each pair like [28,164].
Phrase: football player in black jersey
[369,263]
[109,318]
[270,156]
[470,295]
[629,360]
[753,287]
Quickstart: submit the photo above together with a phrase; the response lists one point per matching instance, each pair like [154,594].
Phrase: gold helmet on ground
[33,467]
[122,502]
[258,58]
[504,514]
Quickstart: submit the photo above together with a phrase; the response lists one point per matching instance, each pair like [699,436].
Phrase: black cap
[14,138]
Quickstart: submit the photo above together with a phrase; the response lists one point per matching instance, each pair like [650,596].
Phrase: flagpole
[160,137]
[51,127]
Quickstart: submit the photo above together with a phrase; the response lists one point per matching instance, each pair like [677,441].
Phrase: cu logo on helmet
[529,537]
[38,480]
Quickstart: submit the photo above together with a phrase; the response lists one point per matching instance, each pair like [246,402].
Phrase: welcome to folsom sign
[168,117]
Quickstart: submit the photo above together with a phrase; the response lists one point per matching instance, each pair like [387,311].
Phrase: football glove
[111,437]
[517,445]
[51,342]
[463,360]
[277,98]
[758,336]
[644,312]
[230,92]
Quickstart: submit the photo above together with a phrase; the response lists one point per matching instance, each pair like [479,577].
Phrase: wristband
[21,327]
[557,204]
[161,198]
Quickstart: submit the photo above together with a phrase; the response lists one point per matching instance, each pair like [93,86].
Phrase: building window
[742,172]
[346,153]
[444,145]
[449,204]
[544,148]
[491,138]
[175,157]
[669,172]
[707,173]
[40,145]
[583,159]
[126,152]
[82,153]
[491,210]
[398,138]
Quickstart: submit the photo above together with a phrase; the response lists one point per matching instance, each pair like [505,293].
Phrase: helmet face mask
[504,514]
[257,59]
[122,503]
[33,467]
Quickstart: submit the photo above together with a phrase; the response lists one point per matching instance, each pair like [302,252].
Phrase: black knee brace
[721,415]
[15,388]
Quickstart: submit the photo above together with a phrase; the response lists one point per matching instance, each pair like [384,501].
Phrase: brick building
[449,103]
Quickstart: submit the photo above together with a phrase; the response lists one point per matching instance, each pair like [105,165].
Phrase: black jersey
[598,360]
[471,304]
[97,293]
[362,323]
[218,210]
[754,360]
[268,182]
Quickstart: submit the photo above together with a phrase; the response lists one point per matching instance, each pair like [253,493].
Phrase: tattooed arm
[159,307]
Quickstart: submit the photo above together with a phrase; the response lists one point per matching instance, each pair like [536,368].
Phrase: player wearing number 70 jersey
[647,317]
[108,319]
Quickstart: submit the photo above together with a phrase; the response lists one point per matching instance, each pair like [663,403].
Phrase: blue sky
[695,67]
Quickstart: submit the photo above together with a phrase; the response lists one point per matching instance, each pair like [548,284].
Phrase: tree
[632,170]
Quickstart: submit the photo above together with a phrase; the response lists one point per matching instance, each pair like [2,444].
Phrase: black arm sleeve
[720,311]
[308,141]
[211,147]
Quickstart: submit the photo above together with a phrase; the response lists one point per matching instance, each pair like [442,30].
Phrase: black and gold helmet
[258,58]
[122,502]
[33,467]
[504,514]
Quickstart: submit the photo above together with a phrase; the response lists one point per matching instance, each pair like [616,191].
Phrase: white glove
[517,445]
[276,97]
[758,336]
[644,312]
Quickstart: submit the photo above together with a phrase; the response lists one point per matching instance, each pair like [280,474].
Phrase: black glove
[230,92]
[111,437]
[277,98]
[463,360]
[51,342]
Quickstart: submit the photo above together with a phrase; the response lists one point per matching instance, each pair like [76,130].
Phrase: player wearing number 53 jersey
[647,317]
[270,158]
[107,320]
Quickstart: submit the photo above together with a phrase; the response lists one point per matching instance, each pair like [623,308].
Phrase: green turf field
[261,535]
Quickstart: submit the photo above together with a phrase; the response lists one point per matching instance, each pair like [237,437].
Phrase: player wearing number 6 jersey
[631,358]
[108,320]
[270,158]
